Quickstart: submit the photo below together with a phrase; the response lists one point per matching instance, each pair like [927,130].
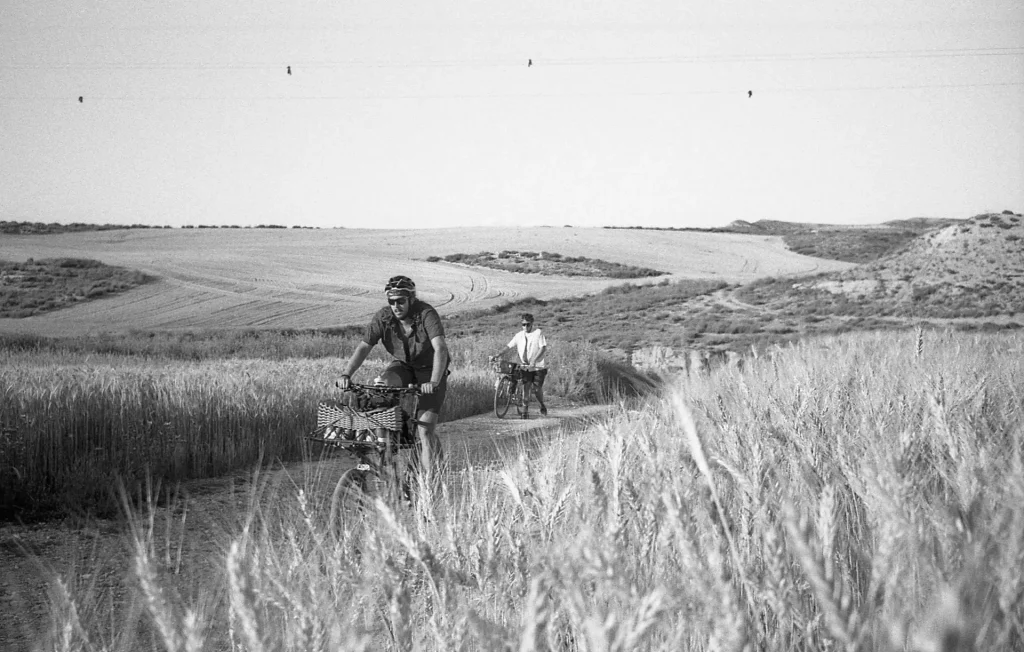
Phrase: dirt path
[727,299]
[94,556]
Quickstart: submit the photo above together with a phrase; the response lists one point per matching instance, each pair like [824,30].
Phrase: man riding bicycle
[412,333]
[531,346]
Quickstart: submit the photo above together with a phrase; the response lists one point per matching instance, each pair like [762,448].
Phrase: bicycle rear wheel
[520,399]
[503,396]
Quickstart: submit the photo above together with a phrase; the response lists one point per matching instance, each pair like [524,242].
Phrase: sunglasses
[396,302]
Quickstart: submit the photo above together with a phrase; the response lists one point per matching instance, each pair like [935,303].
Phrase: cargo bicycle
[374,423]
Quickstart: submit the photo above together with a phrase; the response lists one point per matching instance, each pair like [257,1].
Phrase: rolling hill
[305,278]
[969,274]
[974,268]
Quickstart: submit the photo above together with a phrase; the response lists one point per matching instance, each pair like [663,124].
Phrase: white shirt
[529,346]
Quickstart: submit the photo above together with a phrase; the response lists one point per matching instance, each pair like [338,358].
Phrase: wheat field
[304,279]
[73,426]
[855,493]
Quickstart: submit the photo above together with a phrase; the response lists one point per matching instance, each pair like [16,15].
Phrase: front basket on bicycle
[505,367]
[337,415]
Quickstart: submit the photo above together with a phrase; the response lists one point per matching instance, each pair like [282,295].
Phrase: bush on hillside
[39,286]
[548,263]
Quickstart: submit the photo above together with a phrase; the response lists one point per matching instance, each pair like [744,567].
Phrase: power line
[806,56]
[852,55]
[457,96]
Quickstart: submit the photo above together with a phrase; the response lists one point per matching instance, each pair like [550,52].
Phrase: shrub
[77,263]
[46,285]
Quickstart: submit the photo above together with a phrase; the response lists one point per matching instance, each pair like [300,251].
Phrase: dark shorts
[400,375]
[536,377]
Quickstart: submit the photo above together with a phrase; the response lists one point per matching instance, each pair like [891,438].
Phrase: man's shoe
[526,415]
[543,410]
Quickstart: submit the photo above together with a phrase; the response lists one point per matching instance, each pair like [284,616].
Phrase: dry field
[302,278]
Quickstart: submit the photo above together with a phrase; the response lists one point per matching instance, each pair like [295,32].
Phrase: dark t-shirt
[416,351]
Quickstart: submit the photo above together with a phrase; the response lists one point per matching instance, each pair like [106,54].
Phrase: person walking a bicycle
[412,332]
[531,347]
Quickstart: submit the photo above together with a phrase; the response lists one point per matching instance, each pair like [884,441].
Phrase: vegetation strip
[531,262]
[38,286]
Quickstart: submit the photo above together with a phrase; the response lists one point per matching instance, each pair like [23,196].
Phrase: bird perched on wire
[750,93]
[289,70]
[529,62]
[80,99]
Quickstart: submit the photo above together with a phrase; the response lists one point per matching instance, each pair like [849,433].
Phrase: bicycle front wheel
[354,491]
[503,396]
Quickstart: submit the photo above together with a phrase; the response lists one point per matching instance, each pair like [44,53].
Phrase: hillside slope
[852,243]
[976,267]
[972,269]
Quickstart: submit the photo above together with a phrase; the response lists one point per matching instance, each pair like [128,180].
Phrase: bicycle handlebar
[387,389]
[523,367]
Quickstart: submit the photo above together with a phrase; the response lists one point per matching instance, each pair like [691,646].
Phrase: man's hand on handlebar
[343,382]
[428,388]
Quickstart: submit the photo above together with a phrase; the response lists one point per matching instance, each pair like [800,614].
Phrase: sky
[406,114]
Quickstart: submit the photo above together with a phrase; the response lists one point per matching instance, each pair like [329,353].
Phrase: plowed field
[303,278]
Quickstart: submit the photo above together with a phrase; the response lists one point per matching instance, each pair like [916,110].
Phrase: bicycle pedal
[363,467]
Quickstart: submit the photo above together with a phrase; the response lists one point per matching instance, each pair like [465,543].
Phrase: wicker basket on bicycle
[347,426]
[505,367]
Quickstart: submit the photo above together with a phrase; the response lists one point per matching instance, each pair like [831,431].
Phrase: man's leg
[541,375]
[430,453]
[396,375]
[527,390]
[530,379]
